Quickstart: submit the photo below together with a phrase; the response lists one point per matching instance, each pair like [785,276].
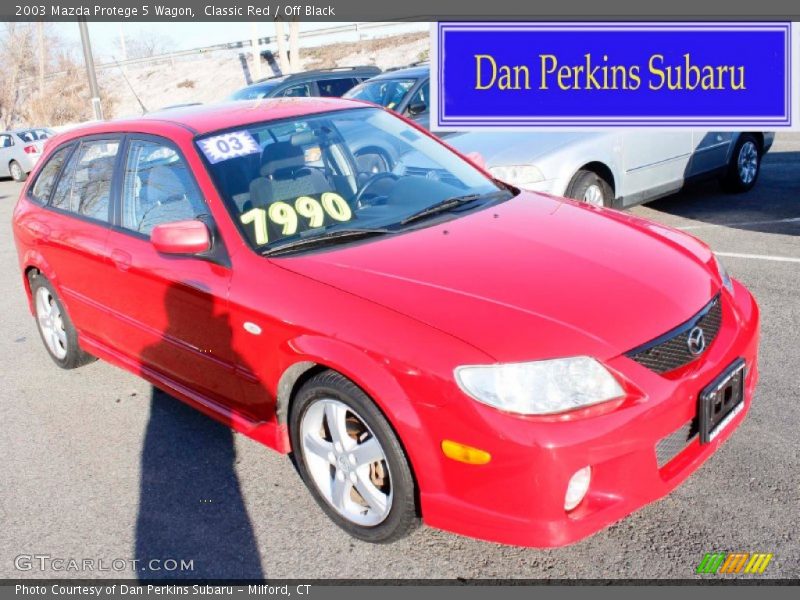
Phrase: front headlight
[542,387]
[723,273]
[517,174]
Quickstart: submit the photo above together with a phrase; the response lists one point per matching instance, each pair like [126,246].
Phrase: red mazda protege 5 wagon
[334,282]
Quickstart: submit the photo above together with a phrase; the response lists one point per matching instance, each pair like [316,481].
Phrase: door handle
[121,259]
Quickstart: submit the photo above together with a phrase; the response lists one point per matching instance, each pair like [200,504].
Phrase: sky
[105,36]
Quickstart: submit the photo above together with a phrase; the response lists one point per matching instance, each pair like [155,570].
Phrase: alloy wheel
[747,162]
[346,462]
[51,323]
[594,195]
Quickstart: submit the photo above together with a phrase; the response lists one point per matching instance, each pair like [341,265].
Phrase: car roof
[406,72]
[314,75]
[205,118]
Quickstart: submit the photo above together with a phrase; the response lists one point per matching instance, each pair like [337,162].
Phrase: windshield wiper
[331,237]
[446,205]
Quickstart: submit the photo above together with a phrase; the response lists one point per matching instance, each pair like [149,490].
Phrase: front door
[171,312]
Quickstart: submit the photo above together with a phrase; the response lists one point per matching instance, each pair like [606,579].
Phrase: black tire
[582,181]
[736,179]
[17,172]
[74,357]
[402,516]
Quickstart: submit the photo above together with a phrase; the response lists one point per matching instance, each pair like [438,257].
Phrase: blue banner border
[746,121]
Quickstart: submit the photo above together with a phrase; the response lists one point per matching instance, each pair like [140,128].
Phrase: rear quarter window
[40,192]
[85,185]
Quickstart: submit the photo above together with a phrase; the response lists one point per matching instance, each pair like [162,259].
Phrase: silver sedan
[617,168]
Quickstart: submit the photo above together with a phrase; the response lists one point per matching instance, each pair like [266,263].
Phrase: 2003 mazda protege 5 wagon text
[427,341]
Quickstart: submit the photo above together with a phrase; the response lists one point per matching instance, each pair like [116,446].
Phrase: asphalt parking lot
[95,464]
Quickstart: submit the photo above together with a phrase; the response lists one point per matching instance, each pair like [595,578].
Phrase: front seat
[284,175]
[165,198]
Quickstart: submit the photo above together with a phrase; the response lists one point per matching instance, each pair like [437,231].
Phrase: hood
[531,278]
[502,149]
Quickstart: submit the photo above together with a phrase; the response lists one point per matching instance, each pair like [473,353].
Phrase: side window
[419,103]
[302,90]
[335,87]
[85,186]
[157,188]
[6,141]
[47,176]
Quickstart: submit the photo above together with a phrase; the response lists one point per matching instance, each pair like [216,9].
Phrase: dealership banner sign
[602,75]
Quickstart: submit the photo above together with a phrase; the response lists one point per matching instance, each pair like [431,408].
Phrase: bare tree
[144,45]
[18,59]
[41,82]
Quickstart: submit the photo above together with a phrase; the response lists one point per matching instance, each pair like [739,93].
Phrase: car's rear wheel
[744,166]
[351,460]
[55,327]
[587,186]
[17,172]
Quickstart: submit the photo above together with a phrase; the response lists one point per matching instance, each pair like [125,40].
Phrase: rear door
[710,151]
[655,163]
[170,312]
[75,226]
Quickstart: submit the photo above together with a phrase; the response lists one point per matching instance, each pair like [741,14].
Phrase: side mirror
[416,108]
[181,237]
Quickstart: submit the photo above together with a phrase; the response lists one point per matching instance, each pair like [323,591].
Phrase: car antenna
[133,91]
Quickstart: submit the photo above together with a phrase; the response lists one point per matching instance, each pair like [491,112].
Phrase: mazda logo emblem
[696,341]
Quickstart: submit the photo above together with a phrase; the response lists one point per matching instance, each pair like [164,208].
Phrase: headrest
[281,156]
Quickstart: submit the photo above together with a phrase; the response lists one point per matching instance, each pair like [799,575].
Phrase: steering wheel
[370,182]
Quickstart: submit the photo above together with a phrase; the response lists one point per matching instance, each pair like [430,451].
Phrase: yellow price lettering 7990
[286,215]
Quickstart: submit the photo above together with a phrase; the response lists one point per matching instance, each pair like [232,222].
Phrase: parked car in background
[615,168]
[320,82]
[20,149]
[618,168]
[405,91]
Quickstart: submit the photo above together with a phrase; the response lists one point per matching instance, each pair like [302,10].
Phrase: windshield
[356,169]
[386,92]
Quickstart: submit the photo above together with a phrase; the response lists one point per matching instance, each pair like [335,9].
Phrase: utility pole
[294,46]
[283,60]
[256,50]
[89,60]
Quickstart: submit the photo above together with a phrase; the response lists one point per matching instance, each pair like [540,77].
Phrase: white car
[20,149]
[618,168]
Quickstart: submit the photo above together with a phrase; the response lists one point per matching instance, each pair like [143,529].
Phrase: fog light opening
[577,487]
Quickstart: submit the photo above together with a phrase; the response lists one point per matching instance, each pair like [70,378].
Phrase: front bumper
[518,497]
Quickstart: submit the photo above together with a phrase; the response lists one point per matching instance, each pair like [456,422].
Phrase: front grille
[671,350]
[672,445]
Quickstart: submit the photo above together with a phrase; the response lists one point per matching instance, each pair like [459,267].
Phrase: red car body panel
[531,278]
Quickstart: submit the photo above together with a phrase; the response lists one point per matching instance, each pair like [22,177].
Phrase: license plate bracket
[720,401]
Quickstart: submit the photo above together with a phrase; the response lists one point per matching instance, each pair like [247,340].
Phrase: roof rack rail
[312,72]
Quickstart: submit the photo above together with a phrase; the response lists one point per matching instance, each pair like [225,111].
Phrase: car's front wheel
[55,327]
[351,460]
[589,187]
[744,166]
[17,172]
